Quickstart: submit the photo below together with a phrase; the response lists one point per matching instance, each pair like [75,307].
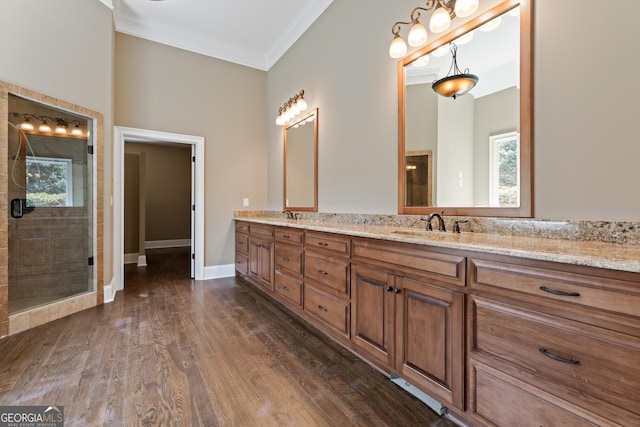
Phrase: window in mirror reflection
[504,170]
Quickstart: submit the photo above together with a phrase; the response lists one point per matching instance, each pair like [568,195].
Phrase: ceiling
[255,33]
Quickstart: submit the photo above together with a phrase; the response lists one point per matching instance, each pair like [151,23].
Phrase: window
[49,181]
[504,170]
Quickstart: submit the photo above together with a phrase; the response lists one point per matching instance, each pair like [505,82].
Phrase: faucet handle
[456,224]
[428,220]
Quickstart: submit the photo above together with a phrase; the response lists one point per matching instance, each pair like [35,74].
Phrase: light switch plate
[245,201]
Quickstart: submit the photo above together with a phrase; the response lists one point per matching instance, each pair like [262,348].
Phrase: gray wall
[167,89]
[64,49]
[586,143]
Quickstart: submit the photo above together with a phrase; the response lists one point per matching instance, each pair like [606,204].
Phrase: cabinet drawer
[329,243]
[242,227]
[331,273]
[242,243]
[262,230]
[289,235]
[593,361]
[591,291]
[289,258]
[289,288]
[446,267]
[242,263]
[329,309]
[499,400]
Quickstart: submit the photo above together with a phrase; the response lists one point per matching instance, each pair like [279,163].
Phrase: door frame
[197,142]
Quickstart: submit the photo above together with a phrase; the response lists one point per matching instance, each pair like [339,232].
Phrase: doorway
[122,134]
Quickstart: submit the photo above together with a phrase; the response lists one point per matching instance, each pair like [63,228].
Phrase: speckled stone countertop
[579,248]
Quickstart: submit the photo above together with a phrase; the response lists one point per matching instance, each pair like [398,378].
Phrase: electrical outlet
[245,202]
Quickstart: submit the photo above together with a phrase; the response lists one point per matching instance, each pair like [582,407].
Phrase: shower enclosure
[51,204]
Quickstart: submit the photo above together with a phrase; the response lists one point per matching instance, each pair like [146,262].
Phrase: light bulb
[310,118]
[464,39]
[280,120]
[398,47]
[26,125]
[422,61]
[61,128]
[417,35]
[465,7]
[302,104]
[76,131]
[441,51]
[440,20]
[491,25]
[44,127]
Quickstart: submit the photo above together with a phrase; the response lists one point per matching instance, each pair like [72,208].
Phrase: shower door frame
[31,318]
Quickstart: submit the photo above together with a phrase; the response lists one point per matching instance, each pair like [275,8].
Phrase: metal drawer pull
[285,259]
[561,293]
[324,273]
[285,236]
[388,289]
[323,244]
[286,288]
[321,308]
[558,358]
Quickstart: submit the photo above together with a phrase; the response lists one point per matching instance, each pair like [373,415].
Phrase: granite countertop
[624,257]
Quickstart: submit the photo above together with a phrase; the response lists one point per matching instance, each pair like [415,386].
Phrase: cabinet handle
[561,293]
[556,357]
[286,288]
[396,290]
[388,289]
[323,244]
[285,236]
[285,259]
[321,308]
[324,273]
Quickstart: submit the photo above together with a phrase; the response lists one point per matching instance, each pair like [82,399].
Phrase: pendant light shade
[456,84]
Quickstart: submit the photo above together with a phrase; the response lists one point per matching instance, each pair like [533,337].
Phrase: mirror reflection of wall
[300,164]
[458,131]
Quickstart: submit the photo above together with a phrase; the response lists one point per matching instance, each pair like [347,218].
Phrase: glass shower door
[51,205]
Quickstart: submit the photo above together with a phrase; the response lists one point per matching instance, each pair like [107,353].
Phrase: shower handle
[19,208]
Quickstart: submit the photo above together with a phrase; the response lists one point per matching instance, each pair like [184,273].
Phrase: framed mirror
[470,155]
[301,164]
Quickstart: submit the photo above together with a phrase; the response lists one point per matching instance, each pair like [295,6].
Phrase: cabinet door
[253,256]
[430,340]
[372,313]
[261,261]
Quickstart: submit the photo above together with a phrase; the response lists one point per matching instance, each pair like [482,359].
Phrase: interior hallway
[172,351]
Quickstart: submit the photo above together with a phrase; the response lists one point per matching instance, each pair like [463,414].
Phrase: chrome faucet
[289,214]
[440,221]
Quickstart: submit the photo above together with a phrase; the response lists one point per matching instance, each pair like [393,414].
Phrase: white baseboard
[142,260]
[130,258]
[158,244]
[219,271]
[109,292]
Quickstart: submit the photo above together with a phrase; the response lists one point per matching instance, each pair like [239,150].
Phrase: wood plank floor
[170,351]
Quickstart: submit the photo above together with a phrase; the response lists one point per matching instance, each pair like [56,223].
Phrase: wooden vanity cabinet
[563,338]
[410,320]
[289,265]
[327,284]
[261,255]
[242,247]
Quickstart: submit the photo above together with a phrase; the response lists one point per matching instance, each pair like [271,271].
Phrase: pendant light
[456,84]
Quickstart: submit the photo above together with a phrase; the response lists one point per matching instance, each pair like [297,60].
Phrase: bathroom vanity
[499,330]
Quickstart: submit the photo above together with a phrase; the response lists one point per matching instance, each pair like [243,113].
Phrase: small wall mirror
[301,164]
[470,155]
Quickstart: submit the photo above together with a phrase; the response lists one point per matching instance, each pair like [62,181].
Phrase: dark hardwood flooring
[170,351]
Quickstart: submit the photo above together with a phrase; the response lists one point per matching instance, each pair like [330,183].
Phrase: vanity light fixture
[291,109]
[443,12]
[456,84]
[61,128]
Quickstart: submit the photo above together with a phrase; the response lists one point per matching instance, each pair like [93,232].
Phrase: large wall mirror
[301,164]
[471,155]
